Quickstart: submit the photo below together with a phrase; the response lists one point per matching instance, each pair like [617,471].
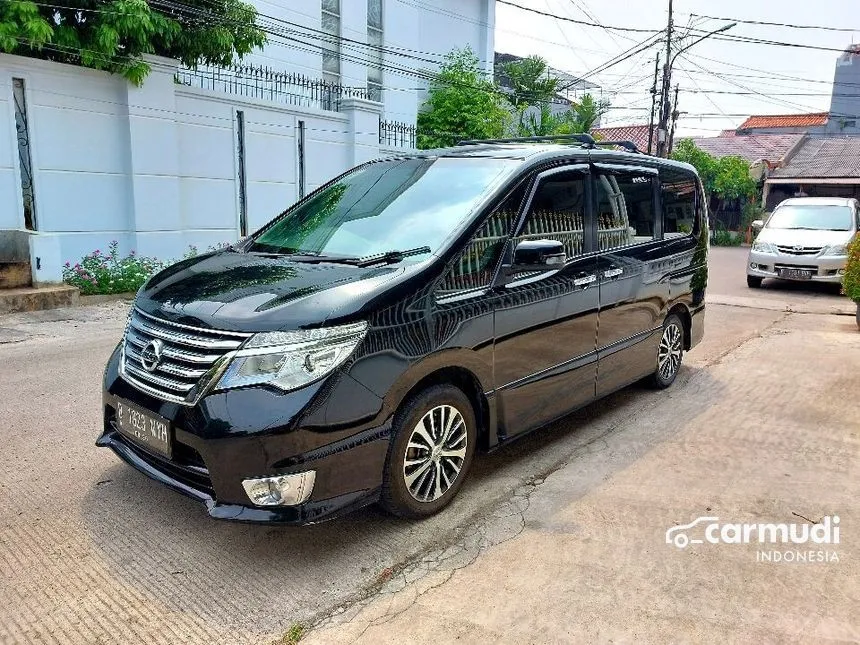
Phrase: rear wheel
[753,282]
[669,353]
[434,437]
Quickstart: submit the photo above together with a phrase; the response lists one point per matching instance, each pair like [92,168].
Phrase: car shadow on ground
[166,546]
[810,287]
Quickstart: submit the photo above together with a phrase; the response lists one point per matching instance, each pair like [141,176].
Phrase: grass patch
[294,634]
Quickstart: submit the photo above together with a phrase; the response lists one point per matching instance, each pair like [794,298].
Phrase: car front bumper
[334,427]
[823,268]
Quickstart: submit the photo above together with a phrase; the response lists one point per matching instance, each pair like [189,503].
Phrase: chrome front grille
[187,355]
[799,250]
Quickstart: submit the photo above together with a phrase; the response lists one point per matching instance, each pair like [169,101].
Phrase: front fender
[393,377]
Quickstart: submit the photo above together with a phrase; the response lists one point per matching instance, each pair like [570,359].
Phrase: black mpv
[365,343]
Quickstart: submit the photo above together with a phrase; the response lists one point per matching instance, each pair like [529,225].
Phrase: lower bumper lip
[193,483]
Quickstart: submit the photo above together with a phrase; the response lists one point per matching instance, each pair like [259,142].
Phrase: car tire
[670,353]
[425,468]
[753,282]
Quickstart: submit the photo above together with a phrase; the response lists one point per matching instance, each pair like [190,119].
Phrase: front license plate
[144,428]
[795,274]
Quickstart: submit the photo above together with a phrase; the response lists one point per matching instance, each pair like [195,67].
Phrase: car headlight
[836,249]
[763,247]
[291,359]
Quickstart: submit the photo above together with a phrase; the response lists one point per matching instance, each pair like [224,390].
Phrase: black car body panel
[527,348]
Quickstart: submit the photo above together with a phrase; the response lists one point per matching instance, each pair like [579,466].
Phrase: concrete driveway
[558,537]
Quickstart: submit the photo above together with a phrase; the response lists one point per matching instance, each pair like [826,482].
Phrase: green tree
[112,35]
[725,179]
[581,116]
[531,86]
[704,163]
[462,104]
[733,180]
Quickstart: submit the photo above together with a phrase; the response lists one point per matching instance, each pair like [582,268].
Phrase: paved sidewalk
[769,433]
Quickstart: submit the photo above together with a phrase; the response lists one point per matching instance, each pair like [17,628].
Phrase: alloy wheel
[435,453]
[669,354]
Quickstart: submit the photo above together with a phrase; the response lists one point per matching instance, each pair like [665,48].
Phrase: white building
[203,157]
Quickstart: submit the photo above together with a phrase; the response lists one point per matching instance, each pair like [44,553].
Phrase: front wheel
[753,282]
[434,437]
[669,353]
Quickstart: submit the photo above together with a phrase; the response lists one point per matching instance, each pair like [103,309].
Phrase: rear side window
[625,208]
[679,191]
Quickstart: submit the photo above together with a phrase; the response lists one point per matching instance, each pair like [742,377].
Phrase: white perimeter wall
[156,168]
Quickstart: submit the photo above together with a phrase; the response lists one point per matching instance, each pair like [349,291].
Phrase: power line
[764,97]
[578,22]
[776,43]
[770,75]
[777,24]
[481,23]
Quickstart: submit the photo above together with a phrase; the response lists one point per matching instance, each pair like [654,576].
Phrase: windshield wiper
[388,257]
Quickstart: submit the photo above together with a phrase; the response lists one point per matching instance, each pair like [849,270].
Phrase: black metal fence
[397,135]
[263,82]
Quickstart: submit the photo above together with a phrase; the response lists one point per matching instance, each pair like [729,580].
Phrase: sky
[721,82]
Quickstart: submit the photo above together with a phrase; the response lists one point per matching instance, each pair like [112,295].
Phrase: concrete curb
[848,309]
[102,298]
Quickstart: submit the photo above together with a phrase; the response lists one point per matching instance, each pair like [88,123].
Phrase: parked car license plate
[144,428]
[795,274]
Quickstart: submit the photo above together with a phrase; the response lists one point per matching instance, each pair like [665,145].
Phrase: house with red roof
[814,123]
[638,134]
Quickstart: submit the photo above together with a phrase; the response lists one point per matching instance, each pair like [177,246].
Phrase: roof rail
[628,145]
[586,139]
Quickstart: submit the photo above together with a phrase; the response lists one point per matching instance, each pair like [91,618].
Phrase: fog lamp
[280,490]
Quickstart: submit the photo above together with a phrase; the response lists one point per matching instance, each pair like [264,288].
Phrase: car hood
[794,237]
[252,292]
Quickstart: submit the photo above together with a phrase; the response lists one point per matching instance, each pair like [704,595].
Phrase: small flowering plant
[103,273]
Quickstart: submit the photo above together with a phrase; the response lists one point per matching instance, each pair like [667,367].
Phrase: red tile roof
[752,147]
[784,121]
[638,134]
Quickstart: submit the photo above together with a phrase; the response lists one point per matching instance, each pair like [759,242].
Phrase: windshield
[387,206]
[819,217]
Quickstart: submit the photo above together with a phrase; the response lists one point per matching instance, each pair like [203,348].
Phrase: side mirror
[535,254]
[758,224]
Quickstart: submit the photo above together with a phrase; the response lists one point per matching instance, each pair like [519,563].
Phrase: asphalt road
[92,551]
[727,277]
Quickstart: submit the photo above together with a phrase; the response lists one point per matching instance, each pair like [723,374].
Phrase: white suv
[805,238]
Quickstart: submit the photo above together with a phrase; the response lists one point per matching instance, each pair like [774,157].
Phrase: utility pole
[675,114]
[662,125]
[663,143]
[653,104]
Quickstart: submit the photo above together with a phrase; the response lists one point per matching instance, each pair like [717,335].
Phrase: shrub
[105,273]
[851,281]
[722,237]
[102,273]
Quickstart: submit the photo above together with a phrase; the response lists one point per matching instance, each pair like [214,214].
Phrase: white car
[805,238]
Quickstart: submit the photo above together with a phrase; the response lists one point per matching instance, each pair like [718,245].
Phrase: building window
[374,41]
[331,43]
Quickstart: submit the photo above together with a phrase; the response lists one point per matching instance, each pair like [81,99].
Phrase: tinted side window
[557,212]
[474,268]
[679,191]
[625,209]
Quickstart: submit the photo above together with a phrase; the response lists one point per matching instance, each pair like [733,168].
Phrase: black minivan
[365,343]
